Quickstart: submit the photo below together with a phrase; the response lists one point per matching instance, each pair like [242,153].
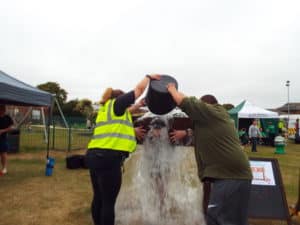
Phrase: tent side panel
[18,96]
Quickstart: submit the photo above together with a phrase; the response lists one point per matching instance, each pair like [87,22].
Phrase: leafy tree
[60,93]
[69,108]
[85,107]
[54,88]
[228,106]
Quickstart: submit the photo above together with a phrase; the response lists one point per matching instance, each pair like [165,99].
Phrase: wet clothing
[5,122]
[221,161]
[105,171]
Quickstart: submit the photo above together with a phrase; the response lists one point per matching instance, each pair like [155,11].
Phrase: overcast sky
[234,49]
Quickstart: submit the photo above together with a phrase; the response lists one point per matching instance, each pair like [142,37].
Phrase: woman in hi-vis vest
[113,139]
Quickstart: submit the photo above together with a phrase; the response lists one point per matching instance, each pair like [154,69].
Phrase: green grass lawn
[28,197]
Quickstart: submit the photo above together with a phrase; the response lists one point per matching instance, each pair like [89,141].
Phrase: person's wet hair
[157,123]
[209,99]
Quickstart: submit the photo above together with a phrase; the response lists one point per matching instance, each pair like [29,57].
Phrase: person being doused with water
[157,153]
[161,180]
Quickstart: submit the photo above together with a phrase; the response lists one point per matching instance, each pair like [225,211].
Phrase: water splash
[160,185]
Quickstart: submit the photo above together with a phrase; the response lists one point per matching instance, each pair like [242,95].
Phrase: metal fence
[66,134]
[63,139]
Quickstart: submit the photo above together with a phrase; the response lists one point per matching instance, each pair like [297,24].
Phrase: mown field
[28,197]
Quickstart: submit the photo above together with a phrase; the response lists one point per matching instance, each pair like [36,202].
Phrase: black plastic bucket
[158,99]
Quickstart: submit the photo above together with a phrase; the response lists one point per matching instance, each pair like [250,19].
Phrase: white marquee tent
[250,111]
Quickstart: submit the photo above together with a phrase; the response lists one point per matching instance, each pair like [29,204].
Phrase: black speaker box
[75,162]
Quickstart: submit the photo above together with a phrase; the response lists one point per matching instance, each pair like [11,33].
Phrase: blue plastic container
[49,166]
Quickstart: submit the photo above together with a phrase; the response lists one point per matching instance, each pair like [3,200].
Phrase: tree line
[71,108]
[76,107]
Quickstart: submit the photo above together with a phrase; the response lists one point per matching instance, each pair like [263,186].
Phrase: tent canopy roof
[248,110]
[16,92]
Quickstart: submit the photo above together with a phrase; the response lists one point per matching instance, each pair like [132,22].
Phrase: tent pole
[44,122]
[48,130]
[50,119]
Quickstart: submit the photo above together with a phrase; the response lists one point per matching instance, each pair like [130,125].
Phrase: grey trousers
[228,202]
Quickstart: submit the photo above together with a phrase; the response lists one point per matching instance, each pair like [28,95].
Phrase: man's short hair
[209,99]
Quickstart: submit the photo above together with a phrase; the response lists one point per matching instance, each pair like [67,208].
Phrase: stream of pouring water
[160,185]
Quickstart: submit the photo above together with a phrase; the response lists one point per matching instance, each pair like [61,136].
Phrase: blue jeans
[254,143]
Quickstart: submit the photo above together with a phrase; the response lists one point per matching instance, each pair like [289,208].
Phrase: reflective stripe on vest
[113,132]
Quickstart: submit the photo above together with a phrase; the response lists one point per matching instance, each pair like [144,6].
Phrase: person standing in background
[271,133]
[280,126]
[297,133]
[6,124]
[254,135]
[243,135]
[297,127]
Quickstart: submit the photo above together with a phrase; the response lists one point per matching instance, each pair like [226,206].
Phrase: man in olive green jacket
[219,157]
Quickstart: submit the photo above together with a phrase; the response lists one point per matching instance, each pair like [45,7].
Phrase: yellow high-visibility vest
[113,132]
[280,124]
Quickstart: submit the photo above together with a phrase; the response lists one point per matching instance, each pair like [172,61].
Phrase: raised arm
[135,107]
[126,101]
[141,86]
